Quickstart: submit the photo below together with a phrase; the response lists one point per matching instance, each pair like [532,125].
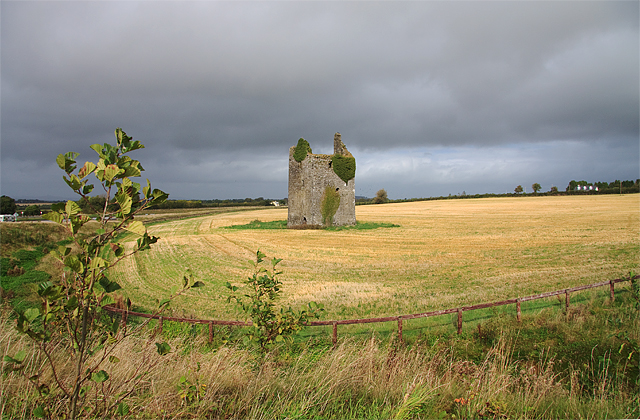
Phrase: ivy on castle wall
[300,153]
[344,167]
[330,204]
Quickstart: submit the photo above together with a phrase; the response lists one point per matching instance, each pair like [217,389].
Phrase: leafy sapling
[73,310]
[270,325]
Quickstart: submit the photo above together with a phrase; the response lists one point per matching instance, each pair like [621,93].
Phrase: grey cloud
[197,81]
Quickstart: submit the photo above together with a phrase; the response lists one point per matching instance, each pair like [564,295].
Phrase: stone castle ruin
[321,187]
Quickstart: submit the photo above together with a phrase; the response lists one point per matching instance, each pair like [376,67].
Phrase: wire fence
[399,318]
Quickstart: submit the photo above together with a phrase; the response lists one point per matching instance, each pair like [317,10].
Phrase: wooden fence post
[210,332]
[160,325]
[335,333]
[518,311]
[400,328]
[611,289]
[123,321]
[459,321]
[566,300]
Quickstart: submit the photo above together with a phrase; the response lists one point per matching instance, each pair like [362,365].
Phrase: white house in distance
[8,217]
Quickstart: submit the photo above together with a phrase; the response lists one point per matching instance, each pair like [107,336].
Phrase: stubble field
[445,253]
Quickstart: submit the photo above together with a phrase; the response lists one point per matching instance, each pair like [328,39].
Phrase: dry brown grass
[359,378]
[446,253]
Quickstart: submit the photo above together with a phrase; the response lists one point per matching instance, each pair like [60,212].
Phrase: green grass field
[443,254]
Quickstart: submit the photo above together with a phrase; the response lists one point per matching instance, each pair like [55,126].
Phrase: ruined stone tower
[321,187]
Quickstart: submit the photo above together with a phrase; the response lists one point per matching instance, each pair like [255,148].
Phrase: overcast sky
[432,98]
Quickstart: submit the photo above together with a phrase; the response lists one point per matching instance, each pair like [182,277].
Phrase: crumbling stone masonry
[321,187]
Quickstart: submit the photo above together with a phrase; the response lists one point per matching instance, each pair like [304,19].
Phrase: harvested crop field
[444,254]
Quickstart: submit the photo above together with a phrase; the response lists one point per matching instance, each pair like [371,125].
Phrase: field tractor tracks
[228,247]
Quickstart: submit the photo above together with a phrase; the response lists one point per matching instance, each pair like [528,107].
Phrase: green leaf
[60,160]
[126,184]
[77,222]
[86,170]
[135,188]
[159,196]
[99,377]
[145,242]
[39,412]
[197,284]
[73,182]
[72,303]
[17,358]
[71,208]
[121,136]
[111,171]
[97,262]
[147,190]
[137,227]
[109,286]
[64,250]
[31,314]
[98,148]
[87,189]
[67,161]
[125,202]
[107,300]
[133,170]
[123,409]
[163,348]
[73,263]
[113,359]
[54,217]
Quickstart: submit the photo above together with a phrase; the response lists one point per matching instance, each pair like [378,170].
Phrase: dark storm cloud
[218,91]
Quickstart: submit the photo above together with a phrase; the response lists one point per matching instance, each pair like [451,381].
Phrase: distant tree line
[239,202]
[97,203]
[10,206]
[463,195]
[232,202]
[628,187]
[615,187]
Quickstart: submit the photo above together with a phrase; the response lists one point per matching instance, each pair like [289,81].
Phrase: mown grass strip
[282,224]
[257,224]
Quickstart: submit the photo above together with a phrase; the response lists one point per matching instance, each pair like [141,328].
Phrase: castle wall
[308,181]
